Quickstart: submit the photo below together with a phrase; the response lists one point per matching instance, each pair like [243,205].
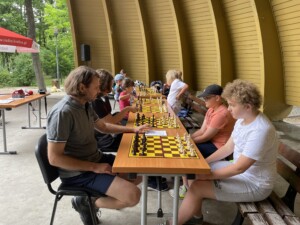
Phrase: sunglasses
[206,98]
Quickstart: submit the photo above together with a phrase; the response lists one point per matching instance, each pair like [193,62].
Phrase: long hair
[105,80]
[81,75]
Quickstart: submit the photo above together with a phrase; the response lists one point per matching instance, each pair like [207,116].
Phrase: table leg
[39,117]
[144,200]
[4,135]
[176,199]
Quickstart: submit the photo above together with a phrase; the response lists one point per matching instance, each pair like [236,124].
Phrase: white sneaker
[182,191]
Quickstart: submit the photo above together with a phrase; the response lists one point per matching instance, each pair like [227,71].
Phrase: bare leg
[192,202]
[185,181]
[120,194]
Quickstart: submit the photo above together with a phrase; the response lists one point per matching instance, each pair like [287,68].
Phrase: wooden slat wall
[127,34]
[90,26]
[202,38]
[246,42]
[287,16]
[211,41]
[162,31]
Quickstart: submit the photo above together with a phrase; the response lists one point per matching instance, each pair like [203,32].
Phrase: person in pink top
[215,130]
[126,94]
[218,122]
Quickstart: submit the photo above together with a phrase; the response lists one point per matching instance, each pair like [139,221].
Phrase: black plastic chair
[50,173]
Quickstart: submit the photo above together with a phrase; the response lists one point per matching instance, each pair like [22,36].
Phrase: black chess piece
[144,149]
[144,139]
[152,120]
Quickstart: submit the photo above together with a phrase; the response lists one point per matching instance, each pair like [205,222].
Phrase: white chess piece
[192,151]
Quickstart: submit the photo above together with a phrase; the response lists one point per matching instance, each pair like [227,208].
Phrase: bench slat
[280,206]
[265,207]
[194,123]
[274,219]
[290,154]
[257,219]
[247,207]
[292,220]
[288,174]
[186,123]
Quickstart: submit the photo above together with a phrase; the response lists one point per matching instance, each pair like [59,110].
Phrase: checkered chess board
[157,122]
[157,146]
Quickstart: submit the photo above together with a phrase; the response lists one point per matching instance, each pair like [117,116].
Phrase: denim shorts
[99,182]
[206,148]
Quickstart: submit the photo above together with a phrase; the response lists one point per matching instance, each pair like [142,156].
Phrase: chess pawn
[181,149]
[177,137]
[192,151]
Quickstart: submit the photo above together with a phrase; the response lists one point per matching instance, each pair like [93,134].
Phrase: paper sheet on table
[156,133]
[5,101]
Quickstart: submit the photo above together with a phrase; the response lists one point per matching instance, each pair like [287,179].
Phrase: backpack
[158,84]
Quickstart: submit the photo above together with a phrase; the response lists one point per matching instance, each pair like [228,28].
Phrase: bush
[23,74]
[5,78]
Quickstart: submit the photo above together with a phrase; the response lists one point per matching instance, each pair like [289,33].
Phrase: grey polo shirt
[72,123]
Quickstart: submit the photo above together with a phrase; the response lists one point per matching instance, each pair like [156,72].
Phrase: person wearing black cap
[215,130]
[218,122]
[251,176]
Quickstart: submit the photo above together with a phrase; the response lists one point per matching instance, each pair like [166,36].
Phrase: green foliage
[49,16]
[5,77]
[23,74]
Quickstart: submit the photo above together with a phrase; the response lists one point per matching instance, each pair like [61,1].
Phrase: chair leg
[54,209]
[92,211]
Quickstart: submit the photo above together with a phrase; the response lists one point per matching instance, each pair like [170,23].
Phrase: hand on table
[143,128]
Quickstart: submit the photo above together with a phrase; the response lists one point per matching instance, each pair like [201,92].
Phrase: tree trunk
[35,56]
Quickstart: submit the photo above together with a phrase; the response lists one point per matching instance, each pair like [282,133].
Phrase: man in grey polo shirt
[73,149]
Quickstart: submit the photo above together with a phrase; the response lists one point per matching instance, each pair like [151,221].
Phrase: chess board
[163,147]
[158,122]
[149,101]
[149,108]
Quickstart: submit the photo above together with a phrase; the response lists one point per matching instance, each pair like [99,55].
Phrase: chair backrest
[49,172]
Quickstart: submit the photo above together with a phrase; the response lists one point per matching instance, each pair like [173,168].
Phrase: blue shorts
[99,182]
[206,148]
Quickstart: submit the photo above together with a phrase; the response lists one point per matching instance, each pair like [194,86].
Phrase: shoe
[194,221]
[152,186]
[182,192]
[80,204]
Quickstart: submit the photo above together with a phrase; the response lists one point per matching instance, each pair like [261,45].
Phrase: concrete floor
[25,199]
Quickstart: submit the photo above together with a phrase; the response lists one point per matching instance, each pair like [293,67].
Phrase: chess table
[14,103]
[157,166]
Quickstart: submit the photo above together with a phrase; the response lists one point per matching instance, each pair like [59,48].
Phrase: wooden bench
[189,123]
[190,120]
[275,210]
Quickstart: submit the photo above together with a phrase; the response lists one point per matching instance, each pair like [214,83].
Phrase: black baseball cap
[213,89]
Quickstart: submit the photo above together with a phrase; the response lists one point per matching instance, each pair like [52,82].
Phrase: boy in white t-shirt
[254,144]
[177,89]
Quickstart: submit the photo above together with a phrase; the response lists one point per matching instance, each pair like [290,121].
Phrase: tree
[35,56]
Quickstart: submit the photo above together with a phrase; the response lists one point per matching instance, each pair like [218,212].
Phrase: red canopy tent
[13,42]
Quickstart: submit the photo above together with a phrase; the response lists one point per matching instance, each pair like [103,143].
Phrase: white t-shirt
[257,140]
[175,88]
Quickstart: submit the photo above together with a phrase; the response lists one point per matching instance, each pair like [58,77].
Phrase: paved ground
[25,199]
